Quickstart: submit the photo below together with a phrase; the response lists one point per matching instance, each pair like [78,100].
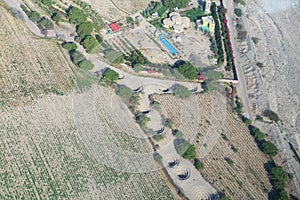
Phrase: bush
[86,64]
[270,149]
[158,158]
[259,118]
[158,137]
[257,134]
[229,161]
[168,123]
[136,58]
[238,12]
[77,57]
[279,177]
[246,120]
[90,44]
[260,65]
[56,17]
[185,149]
[84,29]
[182,91]
[113,56]
[111,75]
[34,16]
[198,165]
[255,40]
[45,24]
[76,15]
[142,120]
[70,46]
[187,70]
[177,133]
[271,115]
[125,92]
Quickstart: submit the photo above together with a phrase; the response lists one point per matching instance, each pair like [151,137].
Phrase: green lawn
[193,14]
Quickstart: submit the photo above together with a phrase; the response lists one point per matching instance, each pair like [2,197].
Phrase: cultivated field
[218,135]
[29,67]
[46,153]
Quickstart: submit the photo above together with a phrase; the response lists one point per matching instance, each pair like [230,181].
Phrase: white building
[176,22]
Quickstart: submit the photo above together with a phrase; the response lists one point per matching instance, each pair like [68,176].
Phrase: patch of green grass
[193,14]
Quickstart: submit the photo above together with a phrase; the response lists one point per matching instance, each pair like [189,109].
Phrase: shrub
[270,149]
[271,115]
[113,56]
[125,92]
[229,161]
[260,65]
[185,149]
[34,16]
[158,158]
[198,165]
[158,137]
[255,40]
[246,120]
[142,120]
[188,70]
[111,75]
[259,118]
[182,91]
[168,123]
[86,64]
[70,46]
[90,44]
[45,24]
[77,57]
[76,15]
[84,29]
[56,17]
[177,133]
[279,177]
[238,12]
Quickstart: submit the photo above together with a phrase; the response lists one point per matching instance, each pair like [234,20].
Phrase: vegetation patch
[185,149]
[182,91]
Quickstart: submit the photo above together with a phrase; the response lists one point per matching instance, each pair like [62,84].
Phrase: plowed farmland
[29,67]
[220,138]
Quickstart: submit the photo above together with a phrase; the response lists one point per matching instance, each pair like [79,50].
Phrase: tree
[47,2]
[182,91]
[238,12]
[176,3]
[84,29]
[125,92]
[77,57]
[86,64]
[56,17]
[70,46]
[34,16]
[168,123]
[198,164]
[90,44]
[271,115]
[76,15]
[185,149]
[111,75]
[279,177]
[187,70]
[113,56]
[270,149]
[45,24]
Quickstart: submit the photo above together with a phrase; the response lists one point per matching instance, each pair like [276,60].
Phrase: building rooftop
[115,27]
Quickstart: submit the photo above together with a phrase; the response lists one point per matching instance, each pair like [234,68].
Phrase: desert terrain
[275,86]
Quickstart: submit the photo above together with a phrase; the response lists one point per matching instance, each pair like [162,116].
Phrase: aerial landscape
[150,99]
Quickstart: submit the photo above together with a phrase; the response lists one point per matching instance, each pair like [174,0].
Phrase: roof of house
[115,27]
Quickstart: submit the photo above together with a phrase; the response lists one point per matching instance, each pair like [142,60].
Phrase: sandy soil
[276,85]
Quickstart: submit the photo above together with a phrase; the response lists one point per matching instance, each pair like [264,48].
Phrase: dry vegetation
[29,67]
[218,135]
[117,9]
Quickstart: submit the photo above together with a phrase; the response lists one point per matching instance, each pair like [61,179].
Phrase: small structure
[206,24]
[176,22]
[154,15]
[115,27]
[207,6]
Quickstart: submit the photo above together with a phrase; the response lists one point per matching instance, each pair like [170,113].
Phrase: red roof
[115,27]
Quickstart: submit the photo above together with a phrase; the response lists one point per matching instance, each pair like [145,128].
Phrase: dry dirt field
[30,67]
[218,135]
[113,10]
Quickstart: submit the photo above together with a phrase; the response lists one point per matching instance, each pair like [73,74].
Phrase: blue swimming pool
[167,44]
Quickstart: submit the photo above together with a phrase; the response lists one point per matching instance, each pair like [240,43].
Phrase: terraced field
[30,67]
[220,137]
